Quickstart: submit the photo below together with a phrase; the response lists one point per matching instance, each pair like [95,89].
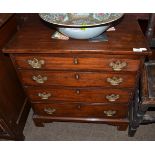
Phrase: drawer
[78,95]
[108,63]
[81,110]
[81,79]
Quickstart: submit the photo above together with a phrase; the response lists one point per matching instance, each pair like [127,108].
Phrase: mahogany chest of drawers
[78,80]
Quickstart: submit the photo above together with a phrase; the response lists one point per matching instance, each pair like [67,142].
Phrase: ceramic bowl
[81,25]
[83,33]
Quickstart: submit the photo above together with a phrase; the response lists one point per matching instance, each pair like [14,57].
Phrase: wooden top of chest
[35,37]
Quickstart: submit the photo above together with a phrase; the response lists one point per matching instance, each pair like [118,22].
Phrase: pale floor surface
[65,131]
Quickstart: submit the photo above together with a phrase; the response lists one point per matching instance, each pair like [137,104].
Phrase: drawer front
[81,110]
[108,63]
[81,79]
[79,95]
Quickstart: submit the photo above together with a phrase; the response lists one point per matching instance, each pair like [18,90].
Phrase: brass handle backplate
[112,97]
[49,111]
[118,65]
[39,79]
[44,96]
[114,81]
[110,113]
[35,63]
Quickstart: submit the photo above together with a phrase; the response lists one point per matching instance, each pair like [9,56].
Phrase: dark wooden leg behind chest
[144,99]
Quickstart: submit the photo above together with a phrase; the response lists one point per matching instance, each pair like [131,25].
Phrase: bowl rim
[120,15]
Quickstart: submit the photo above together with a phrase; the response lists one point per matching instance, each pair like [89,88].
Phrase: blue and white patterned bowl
[81,25]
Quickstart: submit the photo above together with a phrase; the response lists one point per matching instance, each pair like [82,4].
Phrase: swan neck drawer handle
[118,65]
[44,96]
[112,97]
[35,63]
[49,111]
[110,113]
[114,81]
[39,79]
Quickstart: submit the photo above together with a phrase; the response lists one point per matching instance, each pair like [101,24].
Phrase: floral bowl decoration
[81,25]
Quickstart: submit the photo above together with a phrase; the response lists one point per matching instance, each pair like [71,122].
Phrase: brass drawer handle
[39,79]
[76,61]
[49,111]
[112,97]
[35,63]
[44,96]
[110,113]
[118,65]
[114,81]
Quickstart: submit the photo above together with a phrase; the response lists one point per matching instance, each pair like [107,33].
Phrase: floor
[62,131]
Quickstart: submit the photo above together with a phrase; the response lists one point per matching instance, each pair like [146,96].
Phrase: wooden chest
[78,80]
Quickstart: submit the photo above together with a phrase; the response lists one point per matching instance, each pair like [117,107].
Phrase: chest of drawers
[78,80]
